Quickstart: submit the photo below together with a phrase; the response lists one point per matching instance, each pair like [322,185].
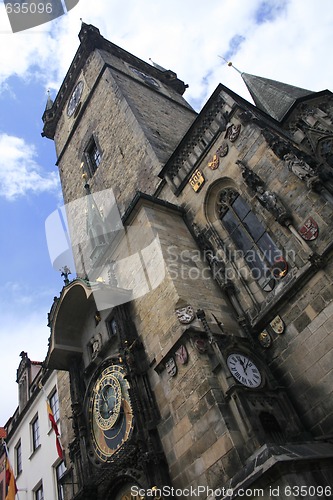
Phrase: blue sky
[285,40]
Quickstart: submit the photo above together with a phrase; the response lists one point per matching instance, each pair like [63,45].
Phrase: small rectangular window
[35,433]
[93,157]
[60,470]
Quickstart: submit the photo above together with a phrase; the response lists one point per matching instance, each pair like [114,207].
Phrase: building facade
[31,443]
[198,332]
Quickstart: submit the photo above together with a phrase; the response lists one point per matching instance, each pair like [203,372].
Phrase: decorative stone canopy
[69,314]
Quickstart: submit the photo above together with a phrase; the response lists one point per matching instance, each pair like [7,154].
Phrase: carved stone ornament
[197,180]
[218,269]
[302,170]
[267,198]
[223,150]
[279,147]
[171,367]
[95,345]
[201,345]
[203,239]
[225,199]
[97,317]
[277,325]
[185,315]
[213,165]
[232,132]
[251,179]
[265,339]
[182,355]
[271,202]
[310,230]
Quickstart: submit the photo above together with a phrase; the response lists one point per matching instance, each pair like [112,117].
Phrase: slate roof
[272,97]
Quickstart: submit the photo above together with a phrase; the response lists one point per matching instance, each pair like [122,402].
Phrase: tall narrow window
[35,433]
[18,458]
[60,470]
[54,403]
[249,236]
[93,157]
[39,495]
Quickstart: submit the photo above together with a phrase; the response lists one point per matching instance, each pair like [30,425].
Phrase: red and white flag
[56,431]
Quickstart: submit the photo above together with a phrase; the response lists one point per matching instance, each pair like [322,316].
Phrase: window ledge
[35,451]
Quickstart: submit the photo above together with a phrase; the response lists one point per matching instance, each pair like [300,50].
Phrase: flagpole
[7,458]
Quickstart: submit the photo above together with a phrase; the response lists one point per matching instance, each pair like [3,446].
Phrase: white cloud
[20,174]
[290,42]
[294,48]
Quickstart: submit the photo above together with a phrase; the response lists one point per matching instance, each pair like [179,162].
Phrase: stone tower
[124,116]
[198,332]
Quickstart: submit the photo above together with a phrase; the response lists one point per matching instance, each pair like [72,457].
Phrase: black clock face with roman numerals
[110,412]
[75,98]
[244,370]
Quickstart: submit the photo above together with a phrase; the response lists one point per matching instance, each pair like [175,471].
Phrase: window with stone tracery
[249,237]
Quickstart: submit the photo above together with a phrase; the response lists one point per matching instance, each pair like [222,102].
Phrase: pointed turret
[49,102]
[275,98]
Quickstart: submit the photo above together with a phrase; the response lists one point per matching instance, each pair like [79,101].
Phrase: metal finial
[229,63]
[65,272]
[157,65]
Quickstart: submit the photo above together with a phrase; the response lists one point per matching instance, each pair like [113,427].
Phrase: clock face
[244,370]
[75,98]
[110,412]
[149,80]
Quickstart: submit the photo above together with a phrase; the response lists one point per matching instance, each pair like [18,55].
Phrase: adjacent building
[31,440]
[198,332]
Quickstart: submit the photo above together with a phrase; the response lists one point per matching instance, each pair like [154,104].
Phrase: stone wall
[300,358]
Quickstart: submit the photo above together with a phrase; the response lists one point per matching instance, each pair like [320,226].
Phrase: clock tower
[115,120]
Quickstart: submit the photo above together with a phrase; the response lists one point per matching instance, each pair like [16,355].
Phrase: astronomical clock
[110,412]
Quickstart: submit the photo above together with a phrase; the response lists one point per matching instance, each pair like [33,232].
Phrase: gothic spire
[273,97]
[49,102]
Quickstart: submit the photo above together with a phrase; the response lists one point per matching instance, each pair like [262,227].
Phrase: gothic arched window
[249,236]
